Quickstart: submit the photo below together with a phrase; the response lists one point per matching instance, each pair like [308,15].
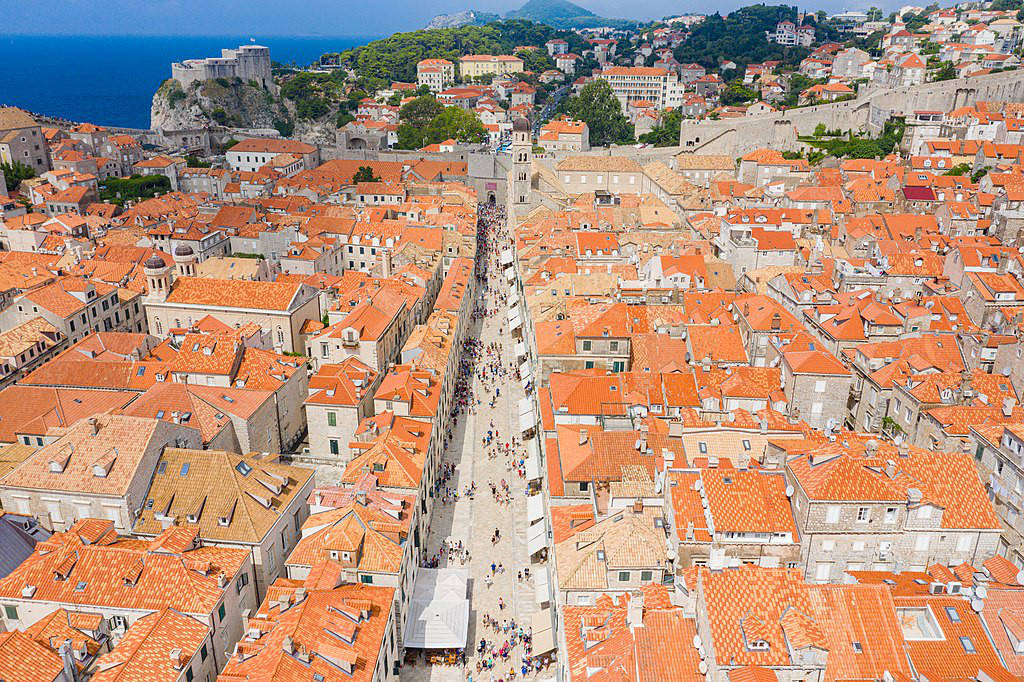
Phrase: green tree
[946,72]
[193,161]
[421,111]
[455,124]
[409,136]
[666,133]
[365,174]
[14,173]
[737,94]
[599,108]
[820,130]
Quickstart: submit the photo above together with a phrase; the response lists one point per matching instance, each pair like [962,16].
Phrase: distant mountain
[554,13]
[467,18]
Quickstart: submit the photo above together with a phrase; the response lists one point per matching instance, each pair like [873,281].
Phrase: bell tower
[522,161]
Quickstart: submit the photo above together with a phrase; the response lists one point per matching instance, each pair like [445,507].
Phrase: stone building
[865,505]
[248,62]
[21,140]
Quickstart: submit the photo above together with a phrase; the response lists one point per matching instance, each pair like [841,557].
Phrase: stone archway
[491,199]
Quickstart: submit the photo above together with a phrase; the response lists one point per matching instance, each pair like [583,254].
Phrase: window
[819,386]
[968,645]
[587,345]
[703,447]
[963,543]
[332,418]
[203,653]
[189,674]
[333,443]
[624,576]
[924,512]
[10,612]
[952,614]
[921,543]
[746,444]
[832,514]
[242,581]
[646,576]
[857,648]
[890,515]
[863,514]
[220,612]
[366,579]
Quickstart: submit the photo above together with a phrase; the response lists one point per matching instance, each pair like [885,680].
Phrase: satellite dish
[703,668]
[704,502]
[789,491]
[702,653]
[1020,578]
[980,591]
[977,605]
[698,485]
[696,641]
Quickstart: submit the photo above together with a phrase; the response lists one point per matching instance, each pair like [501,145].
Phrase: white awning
[535,508]
[527,417]
[520,349]
[532,468]
[543,632]
[439,610]
[506,257]
[513,295]
[542,585]
[536,538]
[525,373]
[510,274]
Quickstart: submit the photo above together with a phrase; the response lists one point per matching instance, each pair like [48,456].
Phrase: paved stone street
[473,521]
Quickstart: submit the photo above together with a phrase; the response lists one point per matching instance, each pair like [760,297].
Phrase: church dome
[520,125]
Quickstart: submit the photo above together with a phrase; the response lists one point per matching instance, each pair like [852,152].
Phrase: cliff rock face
[225,102]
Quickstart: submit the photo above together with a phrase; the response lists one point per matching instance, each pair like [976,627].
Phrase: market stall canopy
[439,610]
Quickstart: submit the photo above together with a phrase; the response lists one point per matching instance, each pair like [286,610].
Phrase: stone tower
[158,278]
[185,261]
[522,160]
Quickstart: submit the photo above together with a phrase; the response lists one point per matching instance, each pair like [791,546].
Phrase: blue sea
[110,80]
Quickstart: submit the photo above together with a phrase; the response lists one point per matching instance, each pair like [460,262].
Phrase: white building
[660,87]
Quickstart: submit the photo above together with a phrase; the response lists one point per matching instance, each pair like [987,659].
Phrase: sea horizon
[109,79]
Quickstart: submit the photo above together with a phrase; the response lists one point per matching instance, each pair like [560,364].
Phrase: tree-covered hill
[740,37]
[394,58]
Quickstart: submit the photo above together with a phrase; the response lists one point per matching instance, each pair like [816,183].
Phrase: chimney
[1008,405]
[890,468]
[287,645]
[903,449]
[776,321]
[583,436]
[871,448]
[1004,263]
[176,658]
[68,659]
[94,426]
[689,531]
[635,609]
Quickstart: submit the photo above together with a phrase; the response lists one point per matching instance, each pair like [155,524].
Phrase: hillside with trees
[394,58]
[741,37]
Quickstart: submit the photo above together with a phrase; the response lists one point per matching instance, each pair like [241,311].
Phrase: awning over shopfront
[535,508]
[527,417]
[520,349]
[536,538]
[525,372]
[532,468]
[506,257]
[439,609]
[543,632]
[542,585]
